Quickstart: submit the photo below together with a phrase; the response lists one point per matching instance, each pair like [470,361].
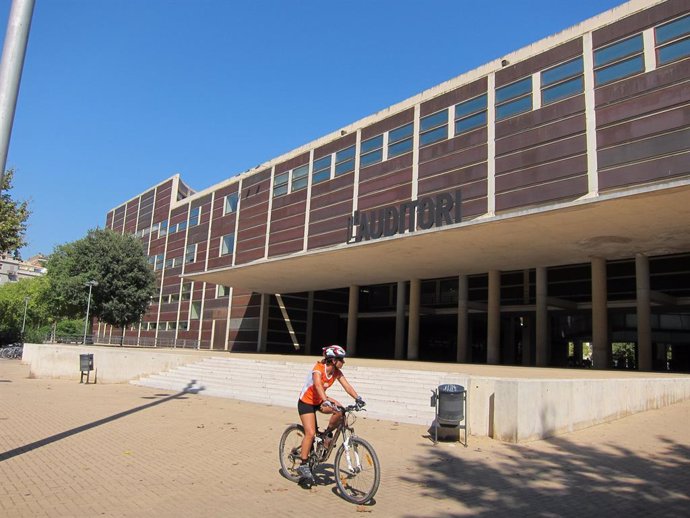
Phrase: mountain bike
[356,466]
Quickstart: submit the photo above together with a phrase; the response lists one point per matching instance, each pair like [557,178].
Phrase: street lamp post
[90,284]
[26,306]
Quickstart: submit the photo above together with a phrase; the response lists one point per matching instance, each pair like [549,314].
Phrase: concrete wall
[113,364]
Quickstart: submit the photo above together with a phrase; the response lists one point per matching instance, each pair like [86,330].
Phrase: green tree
[28,295]
[13,217]
[118,263]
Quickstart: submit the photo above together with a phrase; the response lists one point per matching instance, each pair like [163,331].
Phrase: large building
[534,211]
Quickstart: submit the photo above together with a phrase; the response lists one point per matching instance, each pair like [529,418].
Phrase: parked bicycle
[356,467]
[12,352]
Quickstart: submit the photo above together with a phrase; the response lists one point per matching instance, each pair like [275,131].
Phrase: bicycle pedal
[306,482]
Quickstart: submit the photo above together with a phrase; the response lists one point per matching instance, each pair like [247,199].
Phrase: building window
[433,128]
[470,114]
[195,310]
[619,60]
[151,326]
[230,203]
[562,81]
[227,244]
[345,161]
[280,184]
[673,40]
[514,98]
[194,217]
[322,170]
[160,259]
[400,140]
[222,291]
[183,326]
[371,151]
[174,297]
[186,291]
[190,254]
[300,177]
[163,228]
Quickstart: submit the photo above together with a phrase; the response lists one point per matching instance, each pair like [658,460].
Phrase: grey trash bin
[451,404]
[85,366]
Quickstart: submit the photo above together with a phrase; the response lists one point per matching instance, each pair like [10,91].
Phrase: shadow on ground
[571,480]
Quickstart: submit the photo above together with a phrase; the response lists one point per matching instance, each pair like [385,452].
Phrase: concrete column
[493,338]
[542,319]
[463,346]
[400,321]
[352,314]
[644,326]
[310,323]
[413,326]
[601,349]
[261,345]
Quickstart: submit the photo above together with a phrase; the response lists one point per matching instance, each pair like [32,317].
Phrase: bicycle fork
[350,454]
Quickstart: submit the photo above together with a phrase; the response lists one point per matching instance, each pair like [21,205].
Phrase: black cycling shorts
[306,408]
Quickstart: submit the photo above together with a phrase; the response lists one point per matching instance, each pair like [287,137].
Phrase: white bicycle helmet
[334,352]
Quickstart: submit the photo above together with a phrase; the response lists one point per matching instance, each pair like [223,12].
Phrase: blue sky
[117,95]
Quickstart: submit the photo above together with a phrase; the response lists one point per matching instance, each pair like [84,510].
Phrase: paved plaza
[75,450]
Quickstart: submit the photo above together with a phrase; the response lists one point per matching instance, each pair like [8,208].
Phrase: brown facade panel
[669,143]
[248,213]
[288,211]
[328,225]
[383,198]
[543,193]
[285,247]
[547,153]
[293,162]
[220,327]
[645,127]
[388,181]
[288,234]
[573,166]
[389,166]
[644,104]
[223,226]
[638,22]
[219,261]
[295,222]
[390,123]
[247,243]
[344,207]
[453,97]
[527,67]
[468,157]
[474,208]
[544,115]
[543,134]
[109,220]
[665,168]
[333,198]
[457,179]
[335,237]
[254,179]
[294,198]
[336,145]
[454,145]
[339,183]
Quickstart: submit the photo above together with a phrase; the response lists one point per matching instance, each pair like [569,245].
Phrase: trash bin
[85,362]
[451,404]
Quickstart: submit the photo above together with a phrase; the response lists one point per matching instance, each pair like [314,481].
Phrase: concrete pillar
[463,334]
[542,319]
[601,349]
[352,314]
[310,323]
[400,321]
[493,338]
[644,326]
[413,326]
[262,341]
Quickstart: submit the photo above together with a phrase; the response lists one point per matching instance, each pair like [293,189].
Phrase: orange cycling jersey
[309,394]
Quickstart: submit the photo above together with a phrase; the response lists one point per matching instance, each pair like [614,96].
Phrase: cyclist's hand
[360,402]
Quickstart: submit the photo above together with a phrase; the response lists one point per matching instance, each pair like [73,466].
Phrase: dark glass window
[230,203]
[562,81]
[400,140]
[345,160]
[371,151]
[470,114]
[322,170]
[514,98]
[433,128]
[194,217]
[299,177]
[280,184]
[619,60]
[673,40]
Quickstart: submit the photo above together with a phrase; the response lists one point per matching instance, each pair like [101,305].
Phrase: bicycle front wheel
[357,471]
[289,451]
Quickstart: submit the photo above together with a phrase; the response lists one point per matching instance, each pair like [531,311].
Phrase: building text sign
[424,213]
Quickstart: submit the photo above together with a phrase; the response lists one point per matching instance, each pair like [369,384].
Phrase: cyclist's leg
[308,419]
[335,414]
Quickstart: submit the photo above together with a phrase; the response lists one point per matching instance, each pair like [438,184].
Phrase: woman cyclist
[313,397]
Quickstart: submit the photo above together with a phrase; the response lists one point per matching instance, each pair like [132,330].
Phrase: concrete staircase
[391,394]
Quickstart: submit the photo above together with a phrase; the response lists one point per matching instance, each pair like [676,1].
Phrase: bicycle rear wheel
[357,471]
[289,451]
